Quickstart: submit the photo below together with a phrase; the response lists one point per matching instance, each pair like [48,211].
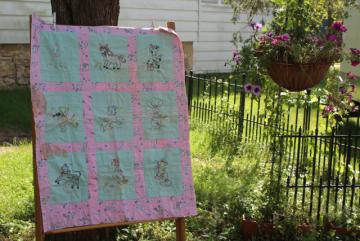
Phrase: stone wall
[14,65]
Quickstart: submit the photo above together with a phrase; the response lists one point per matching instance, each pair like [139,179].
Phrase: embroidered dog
[153,63]
[112,61]
[68,177]
[64,118]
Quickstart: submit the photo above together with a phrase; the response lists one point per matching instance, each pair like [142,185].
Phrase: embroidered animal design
[112,61]
[68,177]
[55,54]
[111,120]
[156,115]
[118,179]
[161,173]
[155,57]
[64,118]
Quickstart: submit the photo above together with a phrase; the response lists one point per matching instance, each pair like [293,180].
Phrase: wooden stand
[39,231]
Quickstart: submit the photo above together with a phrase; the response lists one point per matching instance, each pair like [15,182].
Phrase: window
[213,2]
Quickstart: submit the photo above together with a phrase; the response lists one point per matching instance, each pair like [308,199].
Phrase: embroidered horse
[64,118]
[68,177]
[161,173]
[112,61]
[153,63]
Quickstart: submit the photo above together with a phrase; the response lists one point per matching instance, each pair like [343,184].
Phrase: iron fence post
[241,108]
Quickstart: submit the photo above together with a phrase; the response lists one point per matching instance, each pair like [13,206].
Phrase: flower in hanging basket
[339,26]
[351,75]
[354,56]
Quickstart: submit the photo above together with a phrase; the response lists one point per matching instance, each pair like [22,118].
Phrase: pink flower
[256,90]
[329,109]
[285,37]
[355,63]
[248,88]
[275,41]
[256,26]
[351,75]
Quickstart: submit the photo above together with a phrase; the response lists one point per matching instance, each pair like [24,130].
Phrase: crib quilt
[111,124]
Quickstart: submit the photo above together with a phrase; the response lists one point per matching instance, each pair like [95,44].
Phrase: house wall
[352,39]
[207,26]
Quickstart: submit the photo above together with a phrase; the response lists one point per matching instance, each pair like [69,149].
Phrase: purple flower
[342,90]
[270,34]
[353,88]
[355,63]
[236,57]
[339,26]
[248,88]
[256,90]
[332,38]
[355,51]
[351,75]
[343,29]
[285,37]
[350,97]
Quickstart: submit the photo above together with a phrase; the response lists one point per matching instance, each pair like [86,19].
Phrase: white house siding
[207,26]
[14,18]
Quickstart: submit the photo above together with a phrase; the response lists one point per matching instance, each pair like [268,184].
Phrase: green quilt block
[108,58]
[154,58]
[64,117]
[68,178]
[162,170]
[113,117]
[116,178]
[159,114]
[59,57]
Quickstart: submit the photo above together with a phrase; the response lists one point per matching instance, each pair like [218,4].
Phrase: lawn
[230,180]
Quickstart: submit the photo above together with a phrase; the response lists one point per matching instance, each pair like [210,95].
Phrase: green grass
[15,109]
[16,188]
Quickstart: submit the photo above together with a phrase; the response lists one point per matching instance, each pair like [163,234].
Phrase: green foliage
[15,107]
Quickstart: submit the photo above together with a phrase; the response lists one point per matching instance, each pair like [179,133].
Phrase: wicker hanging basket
[298,77]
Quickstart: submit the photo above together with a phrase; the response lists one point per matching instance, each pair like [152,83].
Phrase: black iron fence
[318,165]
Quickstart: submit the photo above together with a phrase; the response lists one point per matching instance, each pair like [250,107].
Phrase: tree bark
[86,13]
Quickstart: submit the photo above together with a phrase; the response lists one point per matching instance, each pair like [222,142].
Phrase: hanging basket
[298,77]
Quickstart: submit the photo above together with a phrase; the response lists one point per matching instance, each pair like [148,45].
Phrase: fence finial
[54,19]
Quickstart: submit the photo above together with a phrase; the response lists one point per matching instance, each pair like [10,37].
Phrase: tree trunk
[87,13]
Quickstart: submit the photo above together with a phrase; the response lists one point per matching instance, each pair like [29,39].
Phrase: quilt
[111,124]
